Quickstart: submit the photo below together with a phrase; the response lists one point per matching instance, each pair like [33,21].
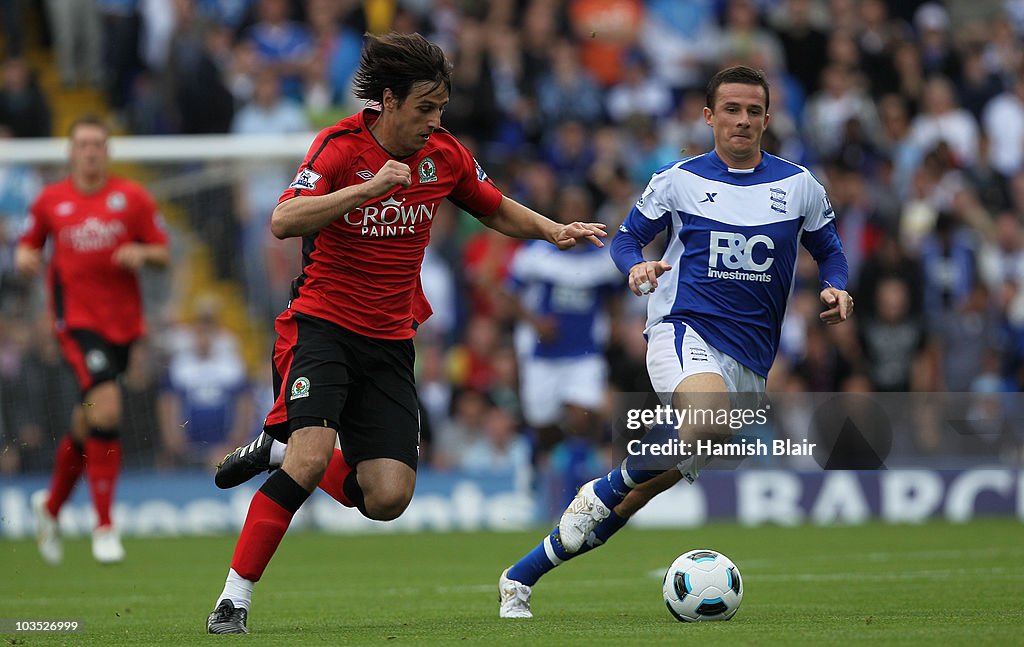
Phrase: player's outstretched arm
[307,214]
[519,221]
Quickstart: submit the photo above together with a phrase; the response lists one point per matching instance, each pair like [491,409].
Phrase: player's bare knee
[709,436]
[317,463]
[306,464]
[386,510]
[387,503]
[103,416]
[387,486]
[309,451]
[102,407]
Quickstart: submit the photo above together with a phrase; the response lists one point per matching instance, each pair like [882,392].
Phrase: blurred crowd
[910,113]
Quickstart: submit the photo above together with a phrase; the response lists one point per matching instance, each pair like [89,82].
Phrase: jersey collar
[718,163]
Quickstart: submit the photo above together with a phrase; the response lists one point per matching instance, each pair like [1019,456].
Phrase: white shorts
[675,352]
[549,384]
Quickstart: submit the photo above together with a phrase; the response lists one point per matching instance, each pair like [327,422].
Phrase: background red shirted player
[363,201]
[102,230]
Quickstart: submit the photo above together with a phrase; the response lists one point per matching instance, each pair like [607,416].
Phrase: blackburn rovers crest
[428,171]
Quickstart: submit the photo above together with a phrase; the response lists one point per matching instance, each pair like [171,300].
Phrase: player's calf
[104,406]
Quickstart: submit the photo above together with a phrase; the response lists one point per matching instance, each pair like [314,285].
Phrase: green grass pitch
[933,584]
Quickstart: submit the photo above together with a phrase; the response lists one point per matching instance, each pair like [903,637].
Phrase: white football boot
[47,530]
[581,517]
[514,597]
[106,546]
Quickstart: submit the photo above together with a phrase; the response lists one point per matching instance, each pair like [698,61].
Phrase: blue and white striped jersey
[572,286]
[732,245]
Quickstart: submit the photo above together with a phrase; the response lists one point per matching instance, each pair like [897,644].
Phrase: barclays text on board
[188,504]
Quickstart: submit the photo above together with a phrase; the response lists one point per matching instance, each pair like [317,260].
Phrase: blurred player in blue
[734,218]
[563,301]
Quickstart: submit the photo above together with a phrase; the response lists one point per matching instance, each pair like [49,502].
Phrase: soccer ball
[702,585]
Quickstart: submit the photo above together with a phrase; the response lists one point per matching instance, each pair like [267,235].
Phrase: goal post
[166,148]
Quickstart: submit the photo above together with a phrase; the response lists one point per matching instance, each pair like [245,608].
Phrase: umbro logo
[364,175]
[710,198]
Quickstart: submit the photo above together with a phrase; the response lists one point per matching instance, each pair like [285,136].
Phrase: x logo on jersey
[710,197]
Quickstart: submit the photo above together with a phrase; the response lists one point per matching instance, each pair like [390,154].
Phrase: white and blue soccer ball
[702,585]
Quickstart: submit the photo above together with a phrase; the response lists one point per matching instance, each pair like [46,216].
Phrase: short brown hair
[88,120]
[737,74]
[398,61]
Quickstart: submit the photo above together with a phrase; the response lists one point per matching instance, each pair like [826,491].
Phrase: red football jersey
[362,271]
[87,290]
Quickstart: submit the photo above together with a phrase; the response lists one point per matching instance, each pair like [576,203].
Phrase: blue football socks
[636,468]
[611,489]
[549,553]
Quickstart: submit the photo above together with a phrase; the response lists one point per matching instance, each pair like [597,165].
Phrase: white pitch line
[995,572]
[884,556]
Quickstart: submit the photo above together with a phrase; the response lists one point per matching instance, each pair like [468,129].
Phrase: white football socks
[238,590]
[277,453]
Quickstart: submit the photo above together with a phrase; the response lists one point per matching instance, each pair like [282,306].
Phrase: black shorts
[93,359]
[362,387]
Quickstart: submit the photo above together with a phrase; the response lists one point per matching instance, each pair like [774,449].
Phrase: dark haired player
[102,230]
[363,202]
[736,217]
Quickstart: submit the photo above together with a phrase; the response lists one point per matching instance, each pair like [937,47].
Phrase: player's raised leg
[679,363]
[596,499]
[515,586]
[594,502]
[261,455]
[265,454]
